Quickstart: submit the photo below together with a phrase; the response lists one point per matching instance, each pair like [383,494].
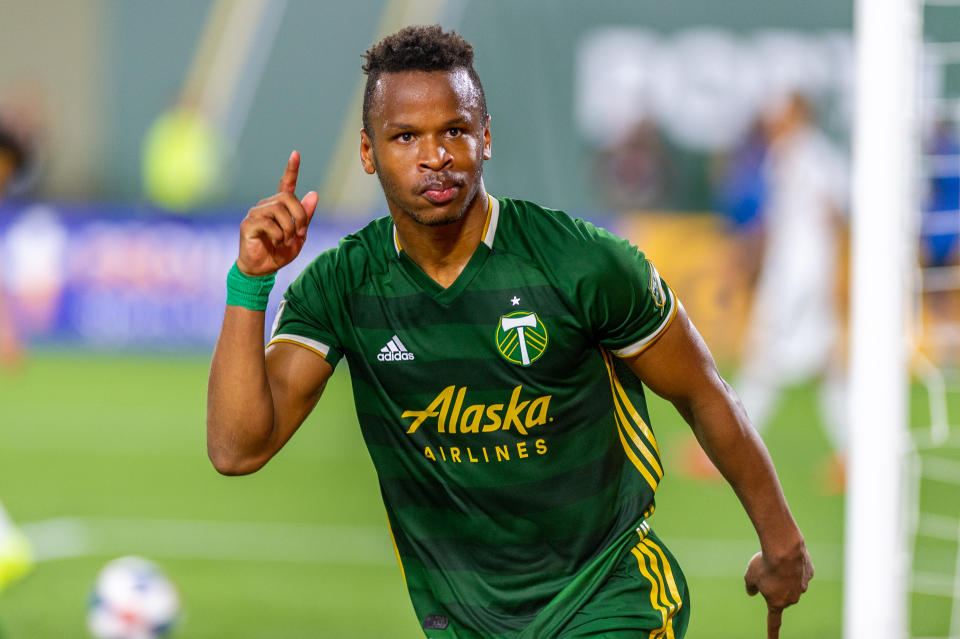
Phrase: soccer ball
[132,599]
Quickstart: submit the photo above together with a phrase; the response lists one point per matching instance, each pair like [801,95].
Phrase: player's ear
[487,144]
[366,153]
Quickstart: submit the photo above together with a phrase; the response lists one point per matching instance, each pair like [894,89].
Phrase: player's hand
[781,583]
[274,231]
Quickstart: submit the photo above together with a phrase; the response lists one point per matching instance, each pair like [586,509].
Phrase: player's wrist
[251,271]
[785,550]
[249,291]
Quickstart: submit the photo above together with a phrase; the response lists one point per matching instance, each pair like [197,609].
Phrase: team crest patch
[656,286]
[521,337]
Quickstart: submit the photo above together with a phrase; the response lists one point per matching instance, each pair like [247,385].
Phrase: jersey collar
[489,225]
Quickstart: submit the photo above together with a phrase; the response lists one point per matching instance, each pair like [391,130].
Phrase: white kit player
[794,330]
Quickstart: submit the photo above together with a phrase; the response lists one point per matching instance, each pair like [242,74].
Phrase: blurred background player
[782,192]
[794,330]
[940,236]
[940,243]
[741,195]
[21,121]
[15,160]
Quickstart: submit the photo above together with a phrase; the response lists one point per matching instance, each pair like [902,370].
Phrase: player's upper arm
[678,366]
[300,358]
[297,377]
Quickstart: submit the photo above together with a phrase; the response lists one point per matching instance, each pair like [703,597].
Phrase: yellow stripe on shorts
[656,633]
[664,594]
[667,607]
[674,591]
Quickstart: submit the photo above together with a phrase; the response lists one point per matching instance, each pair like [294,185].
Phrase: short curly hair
[418,48]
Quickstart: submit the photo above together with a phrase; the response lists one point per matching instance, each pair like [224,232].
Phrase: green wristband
[248,292]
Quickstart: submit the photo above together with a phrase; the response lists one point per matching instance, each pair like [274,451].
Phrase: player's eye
[454,132]
[404,137]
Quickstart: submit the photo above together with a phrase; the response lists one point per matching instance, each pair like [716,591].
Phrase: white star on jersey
[515,301]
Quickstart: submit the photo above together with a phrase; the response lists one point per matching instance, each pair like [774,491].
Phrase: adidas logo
[394,351]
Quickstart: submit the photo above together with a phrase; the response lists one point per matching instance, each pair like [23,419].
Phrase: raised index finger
[289,180]
[774,618]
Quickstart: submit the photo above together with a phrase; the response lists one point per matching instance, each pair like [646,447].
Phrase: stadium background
[101,427]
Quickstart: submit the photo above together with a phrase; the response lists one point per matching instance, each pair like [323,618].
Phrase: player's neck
[443,251]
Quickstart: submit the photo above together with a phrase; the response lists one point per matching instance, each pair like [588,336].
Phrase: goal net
[933,456]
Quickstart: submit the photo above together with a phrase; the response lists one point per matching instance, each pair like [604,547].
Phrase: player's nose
[434,155]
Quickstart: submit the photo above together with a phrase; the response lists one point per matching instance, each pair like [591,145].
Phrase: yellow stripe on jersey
[636,461]
[625,427]
[641,446]
[629,405]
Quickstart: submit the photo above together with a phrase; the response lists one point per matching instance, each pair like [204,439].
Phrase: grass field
[103,455]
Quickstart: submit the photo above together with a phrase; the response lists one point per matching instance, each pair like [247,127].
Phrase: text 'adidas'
[394,351]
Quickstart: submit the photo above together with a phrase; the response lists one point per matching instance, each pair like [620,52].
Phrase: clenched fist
[780,583]
[273,233]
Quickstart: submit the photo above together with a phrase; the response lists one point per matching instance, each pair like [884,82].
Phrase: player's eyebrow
[398,126]
[405,126]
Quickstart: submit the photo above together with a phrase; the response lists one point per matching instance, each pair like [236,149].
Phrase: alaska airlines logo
[521,337]
[447,413]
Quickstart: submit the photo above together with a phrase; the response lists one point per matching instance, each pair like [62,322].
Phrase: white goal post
[876,554]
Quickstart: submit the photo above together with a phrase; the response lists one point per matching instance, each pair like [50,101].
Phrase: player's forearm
[240,413]
[726,435]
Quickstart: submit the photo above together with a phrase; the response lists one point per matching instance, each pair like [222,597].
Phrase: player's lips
[441,196]
[441,193]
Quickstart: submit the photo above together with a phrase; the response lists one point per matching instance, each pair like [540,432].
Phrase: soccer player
[13,160]
[795,326]
[498,351]
[16,553]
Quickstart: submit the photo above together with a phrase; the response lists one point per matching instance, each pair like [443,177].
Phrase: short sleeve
[623,296]
[306,315]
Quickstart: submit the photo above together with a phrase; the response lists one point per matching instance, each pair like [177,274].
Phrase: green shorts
[645,596]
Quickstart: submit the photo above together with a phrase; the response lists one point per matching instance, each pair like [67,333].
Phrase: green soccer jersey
[512,445]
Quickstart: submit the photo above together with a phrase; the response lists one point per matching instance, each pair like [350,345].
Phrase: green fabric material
[248,292]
